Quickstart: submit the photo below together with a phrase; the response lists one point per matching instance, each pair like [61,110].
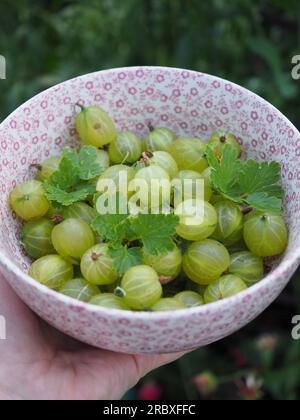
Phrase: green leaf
[65,198]
[70,154]
[89,168]
[224,171]
[124,258]
[84,162]
[155,231]
[66,176]
[251,183]
[260,177]
[264,202]
[66,185]
[111,227]
[269,52]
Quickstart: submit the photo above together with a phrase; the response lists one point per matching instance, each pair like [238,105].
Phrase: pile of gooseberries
[216,257]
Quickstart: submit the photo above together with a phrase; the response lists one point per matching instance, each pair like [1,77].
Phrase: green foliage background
[248,42]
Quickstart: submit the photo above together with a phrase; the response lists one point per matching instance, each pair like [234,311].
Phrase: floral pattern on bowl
[191,103]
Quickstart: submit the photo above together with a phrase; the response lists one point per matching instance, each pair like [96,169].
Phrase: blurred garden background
[249,42]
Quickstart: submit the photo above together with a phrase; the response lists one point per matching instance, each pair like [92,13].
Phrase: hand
[39,363]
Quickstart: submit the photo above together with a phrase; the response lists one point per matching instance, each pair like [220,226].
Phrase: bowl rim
[9,266]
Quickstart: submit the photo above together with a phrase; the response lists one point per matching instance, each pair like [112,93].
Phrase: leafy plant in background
[251,365]
[250,43]
[247,42]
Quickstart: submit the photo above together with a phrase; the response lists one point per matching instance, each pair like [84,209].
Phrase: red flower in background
[239,358]
[251,388]
[149,391]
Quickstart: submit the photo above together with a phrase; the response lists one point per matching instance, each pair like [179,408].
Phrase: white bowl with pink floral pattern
[190,103]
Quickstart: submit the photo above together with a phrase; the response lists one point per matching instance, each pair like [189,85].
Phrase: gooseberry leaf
[71,154]
[84,162]
[155,231]
[260,177]
[248,183]
[68,184]
[263,202]
[124,258]
[66,176]
[66,198]
[111,227]
[89,168]
[225,171]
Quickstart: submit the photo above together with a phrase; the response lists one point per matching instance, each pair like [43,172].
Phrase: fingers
[146,363]
[109,375]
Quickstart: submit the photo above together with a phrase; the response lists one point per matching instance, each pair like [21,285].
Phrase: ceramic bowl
[190,103]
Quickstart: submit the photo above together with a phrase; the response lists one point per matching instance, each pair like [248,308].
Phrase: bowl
[190,103]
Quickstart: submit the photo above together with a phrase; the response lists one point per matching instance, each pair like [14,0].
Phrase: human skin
[39,363]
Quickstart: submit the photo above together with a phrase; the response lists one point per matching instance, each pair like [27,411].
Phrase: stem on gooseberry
[95,256]
[165,279]
[119,292]
[80,106]
[57,218]
[148,154]
[150,126]
[145,159]
[247,209]
[223,139]
[127,243]
[36,166]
